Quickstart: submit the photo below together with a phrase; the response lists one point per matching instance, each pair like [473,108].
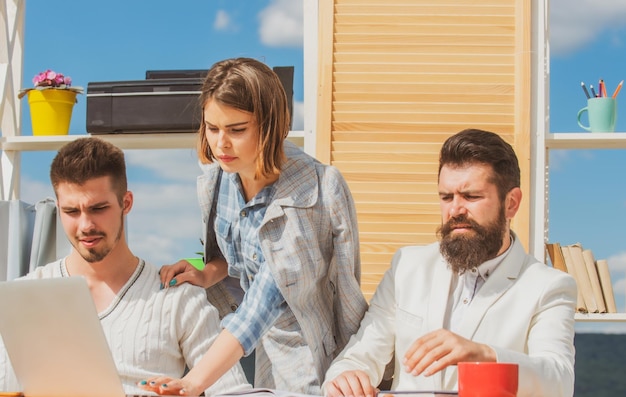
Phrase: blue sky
[119,40]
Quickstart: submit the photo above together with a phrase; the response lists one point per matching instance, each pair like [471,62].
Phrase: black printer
[166,101]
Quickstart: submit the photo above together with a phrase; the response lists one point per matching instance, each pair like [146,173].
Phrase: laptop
[54,339]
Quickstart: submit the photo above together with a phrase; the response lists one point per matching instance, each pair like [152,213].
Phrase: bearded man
[476,295]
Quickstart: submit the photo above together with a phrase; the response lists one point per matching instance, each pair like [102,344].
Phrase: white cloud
[155,249]
[281,24]
[178,165]
[619,294]
[32,191]
[222,21]
[577,23]
[559,159]
[618,263]
[298,116]
[165,223]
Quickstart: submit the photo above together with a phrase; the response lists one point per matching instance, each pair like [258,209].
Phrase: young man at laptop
[151,330]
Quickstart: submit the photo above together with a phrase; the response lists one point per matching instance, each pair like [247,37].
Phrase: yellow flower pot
[51,111]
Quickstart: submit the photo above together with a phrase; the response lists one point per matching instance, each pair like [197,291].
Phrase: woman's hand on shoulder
[181,272]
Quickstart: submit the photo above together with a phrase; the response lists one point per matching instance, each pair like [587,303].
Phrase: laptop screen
[54,339]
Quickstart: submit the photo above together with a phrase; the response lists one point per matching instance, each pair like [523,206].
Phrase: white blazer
[525,311]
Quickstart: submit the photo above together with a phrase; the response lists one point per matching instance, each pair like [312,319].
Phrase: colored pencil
[582,84]
[619,87]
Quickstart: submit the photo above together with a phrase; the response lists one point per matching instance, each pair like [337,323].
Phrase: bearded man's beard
[468,250]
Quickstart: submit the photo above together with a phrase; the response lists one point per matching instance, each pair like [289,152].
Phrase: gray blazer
[310,240]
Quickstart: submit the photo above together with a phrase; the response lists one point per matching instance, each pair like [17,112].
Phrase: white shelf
[172,140]
[586,140]
[600,317]
[124,141]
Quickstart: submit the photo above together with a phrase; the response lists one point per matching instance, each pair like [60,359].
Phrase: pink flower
[50,78]
[39,78]
[50,74]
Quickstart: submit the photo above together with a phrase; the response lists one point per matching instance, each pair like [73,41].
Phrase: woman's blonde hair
[251,86]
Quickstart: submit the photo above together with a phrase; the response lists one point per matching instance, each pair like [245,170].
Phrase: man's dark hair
[87,158]
[472,146]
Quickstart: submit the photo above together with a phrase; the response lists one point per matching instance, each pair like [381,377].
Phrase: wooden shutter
[397,77]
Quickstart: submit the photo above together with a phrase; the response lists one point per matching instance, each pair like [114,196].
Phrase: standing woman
[283,224]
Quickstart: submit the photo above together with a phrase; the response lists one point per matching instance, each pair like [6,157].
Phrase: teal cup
[601,114]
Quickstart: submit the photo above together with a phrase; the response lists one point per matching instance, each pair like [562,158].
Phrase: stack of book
[595,291]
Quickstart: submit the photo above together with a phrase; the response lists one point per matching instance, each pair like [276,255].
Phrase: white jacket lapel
[496,285]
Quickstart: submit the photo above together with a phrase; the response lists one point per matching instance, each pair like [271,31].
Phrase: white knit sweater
[150,331]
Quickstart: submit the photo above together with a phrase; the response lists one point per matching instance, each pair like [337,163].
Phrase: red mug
[487,379]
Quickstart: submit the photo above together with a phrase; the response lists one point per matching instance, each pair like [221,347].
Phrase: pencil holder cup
[601,114]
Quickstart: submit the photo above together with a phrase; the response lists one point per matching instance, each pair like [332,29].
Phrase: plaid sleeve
[261,306]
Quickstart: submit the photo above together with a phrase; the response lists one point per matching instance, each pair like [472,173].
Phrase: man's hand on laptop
[169,386]
[350,383]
